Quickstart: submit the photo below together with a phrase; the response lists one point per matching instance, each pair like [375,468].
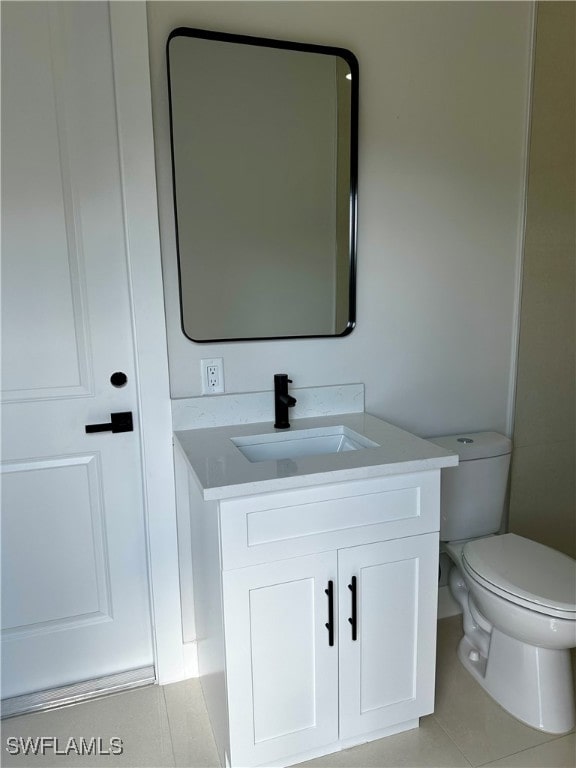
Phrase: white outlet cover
[218,364]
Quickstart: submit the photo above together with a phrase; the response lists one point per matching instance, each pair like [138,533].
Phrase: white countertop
[223,472]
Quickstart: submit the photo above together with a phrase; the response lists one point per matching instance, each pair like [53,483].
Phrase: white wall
[543,488]
[443,116]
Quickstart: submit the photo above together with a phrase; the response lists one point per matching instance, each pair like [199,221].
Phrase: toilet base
[533,684]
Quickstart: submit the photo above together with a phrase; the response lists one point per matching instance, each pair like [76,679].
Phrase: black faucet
[282,400]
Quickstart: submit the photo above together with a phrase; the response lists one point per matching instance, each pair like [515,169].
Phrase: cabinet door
[387,673]
[282,674]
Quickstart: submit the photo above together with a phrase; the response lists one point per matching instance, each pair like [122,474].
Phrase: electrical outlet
[212,370]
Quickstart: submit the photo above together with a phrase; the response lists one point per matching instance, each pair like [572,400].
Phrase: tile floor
[168,726]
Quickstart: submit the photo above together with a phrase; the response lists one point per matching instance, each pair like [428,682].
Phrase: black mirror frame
[352,62]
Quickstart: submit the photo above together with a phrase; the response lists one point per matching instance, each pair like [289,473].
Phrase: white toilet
[518,597]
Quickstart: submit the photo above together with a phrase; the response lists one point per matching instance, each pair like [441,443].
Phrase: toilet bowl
[518,599]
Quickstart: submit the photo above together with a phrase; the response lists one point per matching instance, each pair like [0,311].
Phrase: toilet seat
[524,572]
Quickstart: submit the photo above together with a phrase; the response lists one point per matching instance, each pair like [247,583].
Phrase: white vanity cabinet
[289,690]
[284,563]
[280,550]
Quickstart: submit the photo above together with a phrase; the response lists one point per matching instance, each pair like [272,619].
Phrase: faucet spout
[282,400]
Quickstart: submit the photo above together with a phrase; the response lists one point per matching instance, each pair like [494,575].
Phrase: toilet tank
[473,493]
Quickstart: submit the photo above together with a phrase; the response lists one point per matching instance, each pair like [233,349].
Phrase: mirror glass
[264,160]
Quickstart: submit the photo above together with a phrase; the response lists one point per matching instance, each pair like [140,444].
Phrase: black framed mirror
[264,137]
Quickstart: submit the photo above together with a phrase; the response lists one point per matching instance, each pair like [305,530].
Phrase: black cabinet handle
[353,620]
[330,625]
[120,422]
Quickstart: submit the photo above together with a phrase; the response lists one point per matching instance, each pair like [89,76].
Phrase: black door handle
[354,618]
[330,625]
[120,422]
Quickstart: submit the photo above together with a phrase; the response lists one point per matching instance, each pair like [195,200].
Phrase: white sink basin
[303,442]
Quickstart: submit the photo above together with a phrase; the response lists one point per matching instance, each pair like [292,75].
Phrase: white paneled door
[75,599]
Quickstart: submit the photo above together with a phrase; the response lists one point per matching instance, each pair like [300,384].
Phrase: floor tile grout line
[552,737]
[439,724]
[556,737]
[163,689]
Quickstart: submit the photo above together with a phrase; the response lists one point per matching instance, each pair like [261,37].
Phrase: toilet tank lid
[475,445]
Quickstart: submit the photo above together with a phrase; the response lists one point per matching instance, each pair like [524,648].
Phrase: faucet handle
[281,378]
